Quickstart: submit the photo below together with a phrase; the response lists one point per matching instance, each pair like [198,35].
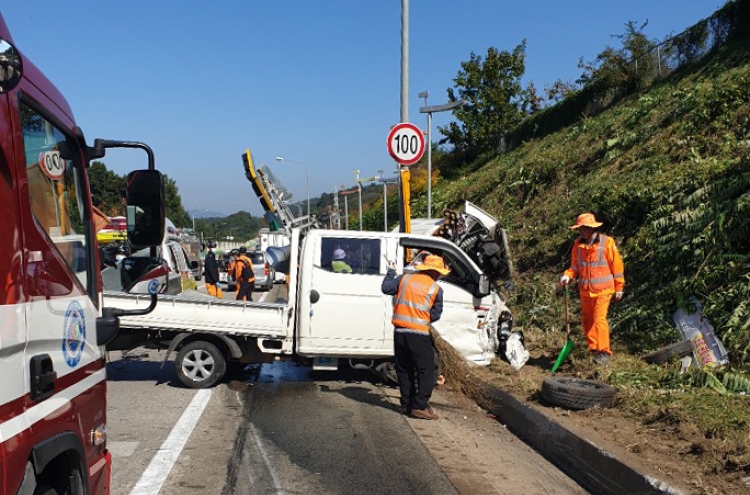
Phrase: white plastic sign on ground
[406,143]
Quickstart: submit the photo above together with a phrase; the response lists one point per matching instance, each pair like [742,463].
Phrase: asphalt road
[283,429]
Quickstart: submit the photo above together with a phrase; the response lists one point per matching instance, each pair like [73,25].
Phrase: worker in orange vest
[596,263]
[244,275]
[418,302]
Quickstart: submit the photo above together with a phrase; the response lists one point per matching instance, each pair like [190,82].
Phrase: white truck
[327,319]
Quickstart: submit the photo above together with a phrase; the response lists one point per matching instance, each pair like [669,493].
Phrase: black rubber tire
[200,364]
[44,490]
[670,352]
[577,393]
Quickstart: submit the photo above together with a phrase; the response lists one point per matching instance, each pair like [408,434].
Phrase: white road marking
[161,464]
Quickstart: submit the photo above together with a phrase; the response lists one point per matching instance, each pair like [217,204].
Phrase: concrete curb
[588,465]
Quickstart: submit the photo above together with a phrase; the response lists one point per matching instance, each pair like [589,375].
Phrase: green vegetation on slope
[668,171]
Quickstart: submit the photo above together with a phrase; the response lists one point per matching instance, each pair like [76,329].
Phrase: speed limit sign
[406,143]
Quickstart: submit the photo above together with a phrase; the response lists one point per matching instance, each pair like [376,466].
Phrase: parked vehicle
[265,274]
[180,272]
[53,328]
[226,277]
[329,319]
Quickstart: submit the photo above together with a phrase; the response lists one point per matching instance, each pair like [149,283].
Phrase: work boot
[426,413]
[601,357]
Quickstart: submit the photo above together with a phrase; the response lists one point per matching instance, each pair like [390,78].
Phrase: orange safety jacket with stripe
[416,294]
[239,264]
[597,266]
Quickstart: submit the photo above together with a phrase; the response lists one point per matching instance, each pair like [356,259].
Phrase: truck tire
[200,364]
[577,393]
[667,353]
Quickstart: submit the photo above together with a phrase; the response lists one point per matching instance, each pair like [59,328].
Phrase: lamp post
[307,179]
[359,186]
[429,111]
[346,194]
[392,180]
[193,215]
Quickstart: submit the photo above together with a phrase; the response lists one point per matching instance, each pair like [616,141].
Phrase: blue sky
[317,82]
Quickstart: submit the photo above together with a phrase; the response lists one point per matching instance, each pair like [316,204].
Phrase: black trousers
[246,289]
[415,368]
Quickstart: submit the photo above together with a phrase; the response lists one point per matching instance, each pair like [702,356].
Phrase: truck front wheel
[200,364]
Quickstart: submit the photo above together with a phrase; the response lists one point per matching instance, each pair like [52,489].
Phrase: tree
[495,100]
[107,189]
[173,204]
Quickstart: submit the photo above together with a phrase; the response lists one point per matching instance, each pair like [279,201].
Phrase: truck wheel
[667,353]
[200,364]
[577,393]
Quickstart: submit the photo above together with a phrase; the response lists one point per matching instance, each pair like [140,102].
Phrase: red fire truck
[53,327]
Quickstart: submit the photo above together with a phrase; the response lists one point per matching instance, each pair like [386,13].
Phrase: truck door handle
[43,377]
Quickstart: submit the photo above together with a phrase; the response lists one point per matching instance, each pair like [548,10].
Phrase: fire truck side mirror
[145,211]
[11,66]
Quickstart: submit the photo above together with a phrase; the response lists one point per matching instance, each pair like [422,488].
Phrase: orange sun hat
[586,220]
[435,263]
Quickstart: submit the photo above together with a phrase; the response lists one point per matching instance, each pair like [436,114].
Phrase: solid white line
[161,464]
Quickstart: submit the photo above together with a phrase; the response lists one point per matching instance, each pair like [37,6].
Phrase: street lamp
[346,194]
[193,215]
[307,179]
[392,180]
[359,186]
[429,111]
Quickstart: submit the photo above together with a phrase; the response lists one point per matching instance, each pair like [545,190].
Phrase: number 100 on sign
[406,143]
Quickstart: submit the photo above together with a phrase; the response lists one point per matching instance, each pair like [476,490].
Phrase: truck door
[63,362]
[349,317]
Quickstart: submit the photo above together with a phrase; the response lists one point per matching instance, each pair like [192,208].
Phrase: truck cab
[53,325]
[329,302]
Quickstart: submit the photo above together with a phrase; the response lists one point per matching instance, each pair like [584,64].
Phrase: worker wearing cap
[211,271]
[244,275]
[596,263]
[339,265]
[418,302]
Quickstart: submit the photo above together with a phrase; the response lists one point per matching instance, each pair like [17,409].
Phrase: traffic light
[260,191]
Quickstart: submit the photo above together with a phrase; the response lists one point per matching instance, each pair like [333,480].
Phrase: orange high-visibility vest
[239,263]
[597,266]
[416,294]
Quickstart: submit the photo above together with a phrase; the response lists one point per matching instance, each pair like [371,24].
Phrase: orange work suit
[598,266]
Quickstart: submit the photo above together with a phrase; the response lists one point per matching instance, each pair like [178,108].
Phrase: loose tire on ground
[200,364]
[667,353]
[577,393]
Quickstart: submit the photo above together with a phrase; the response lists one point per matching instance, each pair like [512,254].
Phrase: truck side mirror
[145,211]
[11,67]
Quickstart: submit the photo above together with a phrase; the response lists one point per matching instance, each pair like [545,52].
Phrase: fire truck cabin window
[55,190]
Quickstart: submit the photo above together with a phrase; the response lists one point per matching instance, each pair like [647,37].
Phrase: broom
[459,375]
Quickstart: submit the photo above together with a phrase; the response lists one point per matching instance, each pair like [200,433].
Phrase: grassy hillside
[668,171]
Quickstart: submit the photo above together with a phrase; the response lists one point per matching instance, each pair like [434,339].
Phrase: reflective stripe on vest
[413,302]
[593,272]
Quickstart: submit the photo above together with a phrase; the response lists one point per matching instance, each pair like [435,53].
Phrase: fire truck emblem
[74,334]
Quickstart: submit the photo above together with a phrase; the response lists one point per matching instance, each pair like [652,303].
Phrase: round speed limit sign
[406,143]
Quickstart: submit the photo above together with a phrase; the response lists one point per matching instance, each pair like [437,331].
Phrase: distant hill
[206,214]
